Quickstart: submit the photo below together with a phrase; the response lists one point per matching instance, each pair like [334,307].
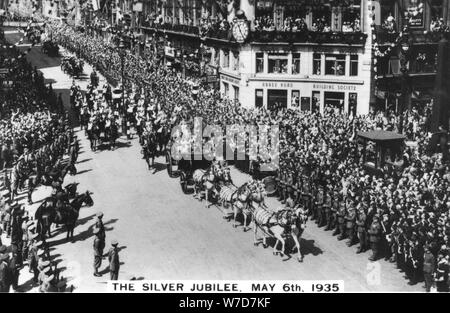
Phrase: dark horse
[46,215]
[149,149]
[162,138]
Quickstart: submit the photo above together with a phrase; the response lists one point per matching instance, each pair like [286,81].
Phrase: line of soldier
[354,219]
[29,250]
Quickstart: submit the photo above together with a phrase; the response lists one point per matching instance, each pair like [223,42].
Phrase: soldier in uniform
[340,228]
[99,245]
[350,219]
[306,193]
[361,219]
[318,204]
[374,237]
[114,262]
[331,222]
[429,266]
[33,260]
[327,210]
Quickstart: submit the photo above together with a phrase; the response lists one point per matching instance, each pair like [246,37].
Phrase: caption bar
[235,286]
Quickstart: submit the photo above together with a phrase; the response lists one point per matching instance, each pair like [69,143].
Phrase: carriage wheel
[183,182]
[170,170]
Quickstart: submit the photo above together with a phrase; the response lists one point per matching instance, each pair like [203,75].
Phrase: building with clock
[304,54]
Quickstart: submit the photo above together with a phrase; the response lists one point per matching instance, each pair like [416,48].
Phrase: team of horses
[248,200]
[72,65]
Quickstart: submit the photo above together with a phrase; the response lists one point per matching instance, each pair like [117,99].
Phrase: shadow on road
[84,171]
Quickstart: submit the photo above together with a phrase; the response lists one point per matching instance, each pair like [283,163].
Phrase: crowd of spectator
[403,216]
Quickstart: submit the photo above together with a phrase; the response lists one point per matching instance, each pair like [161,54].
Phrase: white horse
[280,225]
[204,181]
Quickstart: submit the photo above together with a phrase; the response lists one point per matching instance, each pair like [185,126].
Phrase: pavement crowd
[38,147]
[403,216]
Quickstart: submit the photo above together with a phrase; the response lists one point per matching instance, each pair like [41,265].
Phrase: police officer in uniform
[114,262]
[99,245]
[331,222]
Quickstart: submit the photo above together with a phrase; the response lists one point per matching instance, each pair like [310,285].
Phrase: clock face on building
[240,30]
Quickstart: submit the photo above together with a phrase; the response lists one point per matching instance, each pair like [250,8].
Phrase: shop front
[230,85]
[349,97]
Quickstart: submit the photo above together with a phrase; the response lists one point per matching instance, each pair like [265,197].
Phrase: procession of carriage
[50,48]
[208,178]
[72,66]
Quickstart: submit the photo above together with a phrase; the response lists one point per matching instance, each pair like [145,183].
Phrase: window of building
[351,18]
[278,63]
[335,64]
[296,63]
[216,57]
[295,98]
[317,64]
[226,59]
[321,19]
[315,101]
[276,99]
[259,62]
[352,103]
[388,15]
[235,61]
[437,13]
[259,98]
[226,89]
[236,93]
[354,65]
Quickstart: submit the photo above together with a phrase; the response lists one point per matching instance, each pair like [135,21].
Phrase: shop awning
[381,135]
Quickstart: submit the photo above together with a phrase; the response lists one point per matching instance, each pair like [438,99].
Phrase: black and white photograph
[224,151]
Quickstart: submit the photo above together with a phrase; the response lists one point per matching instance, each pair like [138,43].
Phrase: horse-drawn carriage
[72,66]
[50,48]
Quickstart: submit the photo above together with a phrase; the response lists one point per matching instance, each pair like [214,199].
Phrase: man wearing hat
[99,245]
[100,226]
[5,281]
[114,263]
[374,237]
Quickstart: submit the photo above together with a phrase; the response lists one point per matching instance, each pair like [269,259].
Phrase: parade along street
[165,234]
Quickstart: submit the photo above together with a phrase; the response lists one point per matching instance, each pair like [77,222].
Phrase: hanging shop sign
[415,12]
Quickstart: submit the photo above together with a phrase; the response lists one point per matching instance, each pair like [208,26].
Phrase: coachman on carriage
[72,65]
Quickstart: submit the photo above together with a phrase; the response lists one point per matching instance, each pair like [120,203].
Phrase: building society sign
[334,87]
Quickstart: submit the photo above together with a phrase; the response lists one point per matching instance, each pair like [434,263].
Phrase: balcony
[354,38]
[385,37]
